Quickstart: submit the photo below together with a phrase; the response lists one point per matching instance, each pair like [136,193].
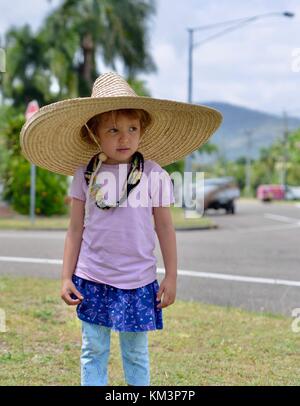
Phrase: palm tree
[60,60]
[28,76]
[79,31]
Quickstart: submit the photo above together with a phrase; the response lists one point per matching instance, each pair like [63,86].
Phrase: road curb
[215,226]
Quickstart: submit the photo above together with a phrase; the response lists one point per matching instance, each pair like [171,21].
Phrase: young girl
[115,277]
[114,144]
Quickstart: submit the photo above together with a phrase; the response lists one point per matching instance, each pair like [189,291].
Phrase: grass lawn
[200,345]
[62,222]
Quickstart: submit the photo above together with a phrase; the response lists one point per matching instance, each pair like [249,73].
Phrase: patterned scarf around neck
[133,179]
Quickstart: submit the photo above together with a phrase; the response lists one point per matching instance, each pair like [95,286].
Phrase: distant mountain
[232,139]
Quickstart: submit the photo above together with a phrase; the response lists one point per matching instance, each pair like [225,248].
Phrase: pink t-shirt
[118,243]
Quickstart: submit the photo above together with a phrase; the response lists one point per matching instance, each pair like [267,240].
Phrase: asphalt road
[251,261]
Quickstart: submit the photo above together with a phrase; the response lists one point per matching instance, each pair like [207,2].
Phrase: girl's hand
[168,290]
[67,288]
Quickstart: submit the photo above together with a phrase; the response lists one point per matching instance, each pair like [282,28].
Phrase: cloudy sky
[252,66]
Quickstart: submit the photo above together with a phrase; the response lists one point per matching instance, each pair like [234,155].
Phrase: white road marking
[32,260]
[290,223]
[236,278]
[283,219]
[270,228]
[181,272]
[257,229]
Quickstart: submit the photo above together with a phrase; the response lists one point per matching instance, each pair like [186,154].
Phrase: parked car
[221,193]
[292,193]
[267,193]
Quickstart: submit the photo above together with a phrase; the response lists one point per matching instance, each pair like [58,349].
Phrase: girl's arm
[167,239]
[71,251]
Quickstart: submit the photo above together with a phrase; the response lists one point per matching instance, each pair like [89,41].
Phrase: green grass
[41,223]
[181,222]
[62,222]
[199,345]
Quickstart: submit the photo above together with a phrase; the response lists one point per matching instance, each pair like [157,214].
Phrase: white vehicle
[292,193]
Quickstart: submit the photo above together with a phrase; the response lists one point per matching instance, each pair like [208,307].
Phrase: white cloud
[170,72]
[20,12]
[250,66]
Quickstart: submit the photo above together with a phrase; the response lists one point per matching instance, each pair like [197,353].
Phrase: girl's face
[119,138]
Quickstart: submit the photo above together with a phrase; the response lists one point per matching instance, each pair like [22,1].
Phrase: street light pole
[190,64]
[188,160]
[233,25]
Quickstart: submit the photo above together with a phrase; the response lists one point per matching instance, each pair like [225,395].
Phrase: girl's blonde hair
[94,122]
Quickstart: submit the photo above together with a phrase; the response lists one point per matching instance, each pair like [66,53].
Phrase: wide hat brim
[51,137]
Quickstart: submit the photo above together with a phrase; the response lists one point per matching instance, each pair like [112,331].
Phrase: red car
[266,193]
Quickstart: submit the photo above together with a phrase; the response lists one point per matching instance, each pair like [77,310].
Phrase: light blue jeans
[95,354]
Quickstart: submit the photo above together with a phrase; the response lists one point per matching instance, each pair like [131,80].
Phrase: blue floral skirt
[119,309]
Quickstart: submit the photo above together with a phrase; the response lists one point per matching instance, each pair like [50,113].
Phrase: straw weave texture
[51,138]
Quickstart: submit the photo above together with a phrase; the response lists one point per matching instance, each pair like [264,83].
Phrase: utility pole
[223,158]
[248,162]
[284,150]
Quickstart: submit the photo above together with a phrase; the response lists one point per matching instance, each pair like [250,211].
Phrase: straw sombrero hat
[51,137]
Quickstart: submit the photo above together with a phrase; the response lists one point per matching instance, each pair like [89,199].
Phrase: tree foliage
[60,61]
[267,169]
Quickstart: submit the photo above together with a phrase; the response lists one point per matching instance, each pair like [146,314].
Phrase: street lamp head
[288,14]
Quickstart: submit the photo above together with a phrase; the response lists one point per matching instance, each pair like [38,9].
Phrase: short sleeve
[78,188]
[162,190]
